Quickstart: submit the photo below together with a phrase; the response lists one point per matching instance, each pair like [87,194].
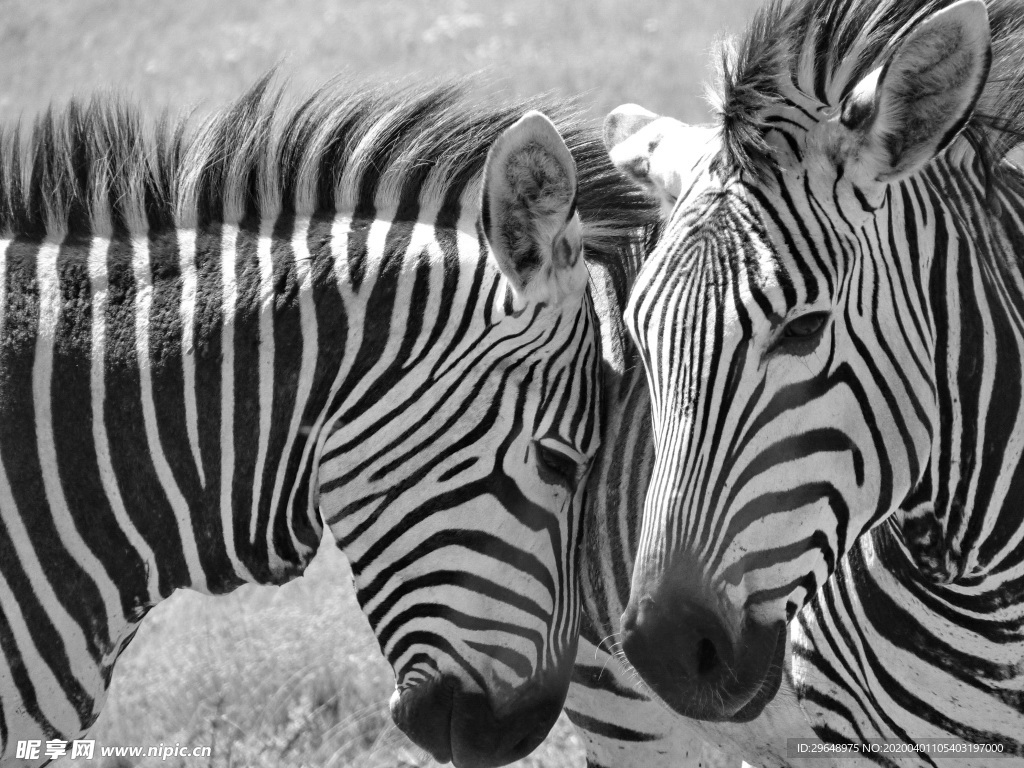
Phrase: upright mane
[825,47]
[100,166]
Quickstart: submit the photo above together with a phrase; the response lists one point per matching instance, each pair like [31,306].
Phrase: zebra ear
[528,211]
[911,108]
[650,150]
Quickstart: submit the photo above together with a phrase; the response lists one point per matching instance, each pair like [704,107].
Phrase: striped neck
[189,364]
[965,295]
[618,482]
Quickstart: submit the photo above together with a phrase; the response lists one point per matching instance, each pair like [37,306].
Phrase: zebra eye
[805,326]
[556,467]
[802,330]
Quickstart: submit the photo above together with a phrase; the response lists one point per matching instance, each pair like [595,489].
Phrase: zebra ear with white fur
[912,107]
[528,211]
[653,151]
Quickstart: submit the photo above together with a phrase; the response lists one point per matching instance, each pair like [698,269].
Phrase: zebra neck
[618,482]
[422,296]
[160,393]
[965,251]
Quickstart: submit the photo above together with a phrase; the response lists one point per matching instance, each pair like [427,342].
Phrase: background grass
[179,52]
[293,676]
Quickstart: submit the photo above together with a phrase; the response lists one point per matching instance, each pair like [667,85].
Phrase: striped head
[786,325]
[455,487]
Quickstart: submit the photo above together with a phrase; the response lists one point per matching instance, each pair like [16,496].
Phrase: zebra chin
[685,654]
[464,728]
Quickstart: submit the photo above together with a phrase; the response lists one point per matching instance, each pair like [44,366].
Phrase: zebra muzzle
[688,657]
[463,727]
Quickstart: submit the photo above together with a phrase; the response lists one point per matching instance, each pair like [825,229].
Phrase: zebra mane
[100,166]
[828,46]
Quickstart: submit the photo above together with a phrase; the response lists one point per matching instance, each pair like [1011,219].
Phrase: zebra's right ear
[650,150]
[909,109]
[528,211]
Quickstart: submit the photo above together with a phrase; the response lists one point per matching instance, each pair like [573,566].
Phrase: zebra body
[831,326]
[212,339]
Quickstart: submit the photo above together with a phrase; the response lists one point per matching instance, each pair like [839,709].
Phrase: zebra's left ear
[528,211]
[911,108]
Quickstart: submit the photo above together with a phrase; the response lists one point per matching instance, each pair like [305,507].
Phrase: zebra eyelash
[800,335]
[558,467]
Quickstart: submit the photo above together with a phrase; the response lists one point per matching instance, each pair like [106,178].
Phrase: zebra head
[460,510]
[787,333]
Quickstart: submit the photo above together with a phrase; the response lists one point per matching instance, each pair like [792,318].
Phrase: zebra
[621,723]
[830,326]
[367,311]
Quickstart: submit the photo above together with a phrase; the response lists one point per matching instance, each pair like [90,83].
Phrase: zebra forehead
[720,234]
[818,50]
[100,165]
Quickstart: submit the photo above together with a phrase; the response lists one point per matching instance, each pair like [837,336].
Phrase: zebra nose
[679,645]
[468,730]
[685,653]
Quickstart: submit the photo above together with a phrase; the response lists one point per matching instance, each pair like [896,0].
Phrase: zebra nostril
[707,657]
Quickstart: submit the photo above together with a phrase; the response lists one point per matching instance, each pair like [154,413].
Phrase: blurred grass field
[653,52]
[292,676]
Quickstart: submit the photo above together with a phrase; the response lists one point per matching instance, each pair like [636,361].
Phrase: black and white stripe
[832,331]
[211,336]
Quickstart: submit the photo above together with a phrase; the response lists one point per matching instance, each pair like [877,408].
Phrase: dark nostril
[707,657]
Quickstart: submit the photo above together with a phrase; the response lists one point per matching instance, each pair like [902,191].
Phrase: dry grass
[293,676]
[269,678]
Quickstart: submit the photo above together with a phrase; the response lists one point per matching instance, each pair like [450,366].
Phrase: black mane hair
[101,167]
